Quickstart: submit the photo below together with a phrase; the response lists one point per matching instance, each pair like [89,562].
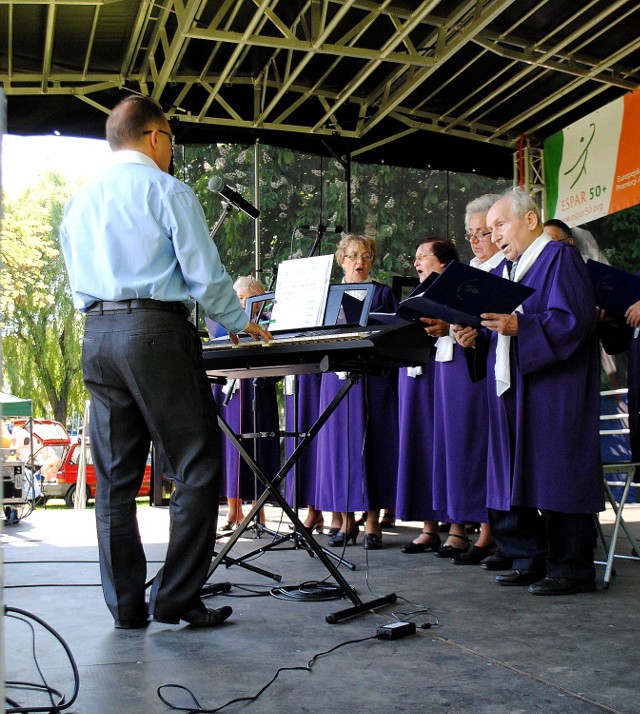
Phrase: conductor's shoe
[202,616]
[198,616]
[562,586]
[520,577]
[497,561]
[132,623]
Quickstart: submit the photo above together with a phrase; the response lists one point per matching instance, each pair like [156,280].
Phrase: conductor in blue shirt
[137,249]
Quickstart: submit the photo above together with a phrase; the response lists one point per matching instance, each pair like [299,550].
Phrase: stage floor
[490,648]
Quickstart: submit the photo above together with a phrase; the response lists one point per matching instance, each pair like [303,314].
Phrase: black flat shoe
[450,551]
[562,586]
[388,522]
[474,556]
[519,577]
[338,540]
[372,541]
[431,545]
[333,531]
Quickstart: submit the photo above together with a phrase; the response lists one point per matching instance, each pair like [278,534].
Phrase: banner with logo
[592,167]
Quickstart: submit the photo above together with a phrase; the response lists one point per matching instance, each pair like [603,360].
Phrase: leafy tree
[41,330]
[618,235]
[398,207]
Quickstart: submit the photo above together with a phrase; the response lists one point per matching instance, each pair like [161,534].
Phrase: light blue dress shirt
[138,232]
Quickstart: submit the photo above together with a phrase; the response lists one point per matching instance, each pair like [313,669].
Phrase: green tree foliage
[618,235]
[41,330]
[399,207]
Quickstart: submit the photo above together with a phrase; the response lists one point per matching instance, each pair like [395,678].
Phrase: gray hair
[248,282]
[523,202]
[482,204]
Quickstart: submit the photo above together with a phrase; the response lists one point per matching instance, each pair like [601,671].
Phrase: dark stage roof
[451,84]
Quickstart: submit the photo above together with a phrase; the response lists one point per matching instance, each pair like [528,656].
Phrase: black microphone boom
[217,185]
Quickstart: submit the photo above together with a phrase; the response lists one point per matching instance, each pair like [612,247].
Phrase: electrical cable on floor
[301,668]
[434,621]
[310,591]
[54,706]
[251,590]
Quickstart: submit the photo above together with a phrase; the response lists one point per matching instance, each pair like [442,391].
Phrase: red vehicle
[63,484]
[56,455]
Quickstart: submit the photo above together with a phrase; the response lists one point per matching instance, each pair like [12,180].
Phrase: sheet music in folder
[301,293]
[460,294]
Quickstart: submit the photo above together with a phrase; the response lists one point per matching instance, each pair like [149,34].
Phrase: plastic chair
[616,459]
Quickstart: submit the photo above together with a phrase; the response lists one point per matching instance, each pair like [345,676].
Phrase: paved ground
[489,649]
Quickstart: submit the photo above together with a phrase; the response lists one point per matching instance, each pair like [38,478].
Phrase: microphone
[320,229]
[217,185]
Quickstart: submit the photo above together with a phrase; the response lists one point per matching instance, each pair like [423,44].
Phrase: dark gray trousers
[558,544]
[144,372]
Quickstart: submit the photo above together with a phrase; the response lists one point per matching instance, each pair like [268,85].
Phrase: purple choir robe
[239,479]
[460,442]
[544,430]
[357,458]
[308,412]
[414,500]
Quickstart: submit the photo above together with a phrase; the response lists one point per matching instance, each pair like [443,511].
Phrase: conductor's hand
[435,328]
[465,336]
[502,324]
[632,315]
[257,332]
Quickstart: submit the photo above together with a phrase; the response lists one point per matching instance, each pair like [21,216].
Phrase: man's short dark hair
[130,118]
[561,226]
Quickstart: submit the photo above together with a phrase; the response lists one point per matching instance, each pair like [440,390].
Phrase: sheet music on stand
[301,292]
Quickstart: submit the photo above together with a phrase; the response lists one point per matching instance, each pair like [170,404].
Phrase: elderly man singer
[543,475]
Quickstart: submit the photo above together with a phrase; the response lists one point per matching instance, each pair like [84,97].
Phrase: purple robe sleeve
[568,319]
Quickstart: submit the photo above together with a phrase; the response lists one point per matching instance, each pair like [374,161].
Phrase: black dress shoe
[134,623]
[520,577]
[202,616]
[198,616]
[474,556]
[431,544]
[562,586]
[497,561]
[372,541]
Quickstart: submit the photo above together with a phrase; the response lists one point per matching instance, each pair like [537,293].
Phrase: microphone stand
[318,238]
[227,209]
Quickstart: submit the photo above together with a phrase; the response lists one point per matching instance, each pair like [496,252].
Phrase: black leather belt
[105,306]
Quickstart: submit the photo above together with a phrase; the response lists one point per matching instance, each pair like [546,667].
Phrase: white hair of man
[482,204]
[523,202]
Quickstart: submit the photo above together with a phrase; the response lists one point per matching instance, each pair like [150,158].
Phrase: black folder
[460,294]
[615,289]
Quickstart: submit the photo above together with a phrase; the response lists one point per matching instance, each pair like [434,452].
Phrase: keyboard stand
[301,532]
